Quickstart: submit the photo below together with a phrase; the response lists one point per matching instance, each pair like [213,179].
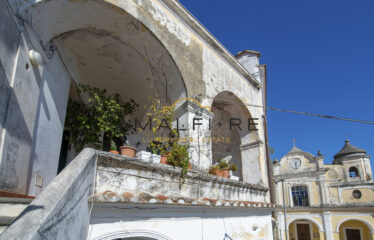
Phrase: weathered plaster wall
[9,40]
[50,123]
[62,211]
[178,223]
[205,67]
[122,176]
[20,88]
[367,195]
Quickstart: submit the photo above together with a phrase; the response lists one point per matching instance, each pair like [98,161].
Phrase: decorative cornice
[301,174]
[251,145]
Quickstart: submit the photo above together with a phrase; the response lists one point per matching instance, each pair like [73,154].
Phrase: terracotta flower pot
[114,151]
[189,166]
[219,173]
[225,173]
[127,151]
[164,158]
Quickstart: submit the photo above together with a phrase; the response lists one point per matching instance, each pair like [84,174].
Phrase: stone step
[10,209]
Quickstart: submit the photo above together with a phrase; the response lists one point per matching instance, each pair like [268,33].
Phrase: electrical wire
[321,115]
[303,113]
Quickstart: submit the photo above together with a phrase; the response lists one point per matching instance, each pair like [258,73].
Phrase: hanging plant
[102,116]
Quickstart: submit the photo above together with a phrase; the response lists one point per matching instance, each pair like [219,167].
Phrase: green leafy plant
[113,145]
[214,169]
[179,157]
[222,165]
[102,116]
[161,116]
[233,167]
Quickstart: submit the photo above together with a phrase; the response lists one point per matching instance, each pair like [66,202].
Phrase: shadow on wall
[17,135]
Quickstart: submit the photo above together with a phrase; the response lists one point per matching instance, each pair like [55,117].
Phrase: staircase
[10,209]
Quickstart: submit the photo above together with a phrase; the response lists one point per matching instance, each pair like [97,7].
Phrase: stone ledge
[145,198]
[117,175]
[111,160]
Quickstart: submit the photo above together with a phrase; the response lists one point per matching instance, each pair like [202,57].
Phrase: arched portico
[354,228]
[355,219]
[117,52]
[234,133]
[305,228]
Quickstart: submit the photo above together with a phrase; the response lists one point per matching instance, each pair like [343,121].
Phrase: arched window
[300,196]
[353,172]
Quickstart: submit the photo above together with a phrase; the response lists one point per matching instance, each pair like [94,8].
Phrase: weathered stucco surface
[164,50]
[138,48]
[62,211]
[330,194]
[178,223]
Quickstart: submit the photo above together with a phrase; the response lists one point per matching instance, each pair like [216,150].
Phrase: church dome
[348,150]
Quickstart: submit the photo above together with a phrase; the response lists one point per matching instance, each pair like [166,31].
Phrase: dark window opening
[300,196]
[63,152]
[353,172]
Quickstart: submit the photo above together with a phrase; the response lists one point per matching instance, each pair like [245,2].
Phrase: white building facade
[137,48]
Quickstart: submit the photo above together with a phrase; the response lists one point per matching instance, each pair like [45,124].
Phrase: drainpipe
[264,118]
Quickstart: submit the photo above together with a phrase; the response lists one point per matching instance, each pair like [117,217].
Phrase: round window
[357,194]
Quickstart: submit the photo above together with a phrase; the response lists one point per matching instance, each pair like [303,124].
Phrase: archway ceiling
[136,68]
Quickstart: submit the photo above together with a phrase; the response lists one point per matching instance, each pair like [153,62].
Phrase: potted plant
[113,147]
[179,157]
[98,118]
[164,157]
[222,168]
[160,115]
[127,151]
[214,170]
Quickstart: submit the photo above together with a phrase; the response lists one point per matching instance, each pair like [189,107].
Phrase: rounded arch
[371,228]
[72,16]
[115,51]
[319,226]
[152,235]
[234,124]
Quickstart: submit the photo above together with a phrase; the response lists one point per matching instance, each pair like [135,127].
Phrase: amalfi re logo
[165,122]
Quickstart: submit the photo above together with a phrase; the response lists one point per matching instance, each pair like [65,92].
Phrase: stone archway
[233,134]
[134,235]
[305,228]
[354,228]
[116,52]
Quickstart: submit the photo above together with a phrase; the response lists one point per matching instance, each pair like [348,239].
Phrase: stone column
[327,225]
[193,124]
[250,162]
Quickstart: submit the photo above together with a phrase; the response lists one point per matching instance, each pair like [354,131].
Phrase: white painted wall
[183,223]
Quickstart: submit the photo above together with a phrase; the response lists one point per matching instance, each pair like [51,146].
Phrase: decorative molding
[192,107]
[251,145]
[355,219]
[134,233]
[319,226]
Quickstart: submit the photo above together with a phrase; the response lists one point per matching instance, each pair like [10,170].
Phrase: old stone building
[136,48]
[325,201]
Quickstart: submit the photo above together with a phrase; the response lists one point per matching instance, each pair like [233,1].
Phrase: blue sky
[320,58]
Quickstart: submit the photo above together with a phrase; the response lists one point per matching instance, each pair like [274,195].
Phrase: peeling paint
[173,27]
